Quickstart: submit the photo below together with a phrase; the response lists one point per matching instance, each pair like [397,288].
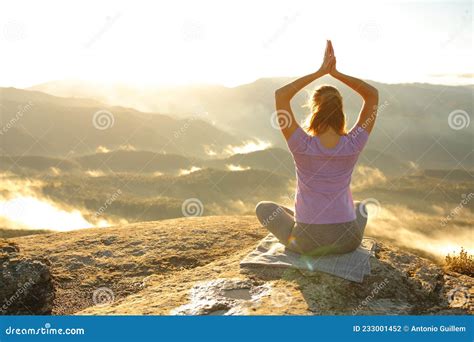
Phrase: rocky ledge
[26,285]
[190,266]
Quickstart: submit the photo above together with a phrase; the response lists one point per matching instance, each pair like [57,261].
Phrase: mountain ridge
[412,116]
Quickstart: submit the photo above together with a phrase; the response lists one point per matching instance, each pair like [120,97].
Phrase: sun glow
[33,213]
[190,42]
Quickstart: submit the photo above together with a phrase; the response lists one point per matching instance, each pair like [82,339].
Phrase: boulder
[26,285]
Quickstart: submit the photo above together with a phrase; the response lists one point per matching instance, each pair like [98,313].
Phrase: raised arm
[283,95]
[368,113]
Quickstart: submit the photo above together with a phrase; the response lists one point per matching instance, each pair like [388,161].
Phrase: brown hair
[326,108]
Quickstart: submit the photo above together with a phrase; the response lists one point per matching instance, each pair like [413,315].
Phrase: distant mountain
[38,163]
[412,125]
[35,123]
[134,161]
[450,175]
[275,160]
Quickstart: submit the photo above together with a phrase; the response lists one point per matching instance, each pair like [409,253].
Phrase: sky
[232,42]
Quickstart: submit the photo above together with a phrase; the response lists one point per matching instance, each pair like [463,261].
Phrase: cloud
[22,205]
[406,228]
[183,172]
[248,146]
[366,176]
[232,167]
[95,173]
[102,149]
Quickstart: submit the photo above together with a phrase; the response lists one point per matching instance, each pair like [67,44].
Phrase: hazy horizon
[183,43]
[203,84]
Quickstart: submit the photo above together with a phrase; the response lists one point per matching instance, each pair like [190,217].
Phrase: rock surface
[191,266]
[26,285]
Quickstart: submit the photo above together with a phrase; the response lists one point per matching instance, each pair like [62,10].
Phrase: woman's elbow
[281,94]
[372,94]
[374,91]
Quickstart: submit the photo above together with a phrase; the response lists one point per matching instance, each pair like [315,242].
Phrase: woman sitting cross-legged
[326,219]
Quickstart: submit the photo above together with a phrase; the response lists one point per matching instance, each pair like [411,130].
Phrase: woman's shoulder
[299,141]
[358,137]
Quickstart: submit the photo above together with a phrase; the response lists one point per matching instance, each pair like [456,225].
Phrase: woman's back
[323,176]
[327,220]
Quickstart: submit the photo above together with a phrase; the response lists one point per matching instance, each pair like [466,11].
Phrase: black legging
[312,239]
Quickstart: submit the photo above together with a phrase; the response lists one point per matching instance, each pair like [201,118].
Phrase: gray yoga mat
[351,266]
